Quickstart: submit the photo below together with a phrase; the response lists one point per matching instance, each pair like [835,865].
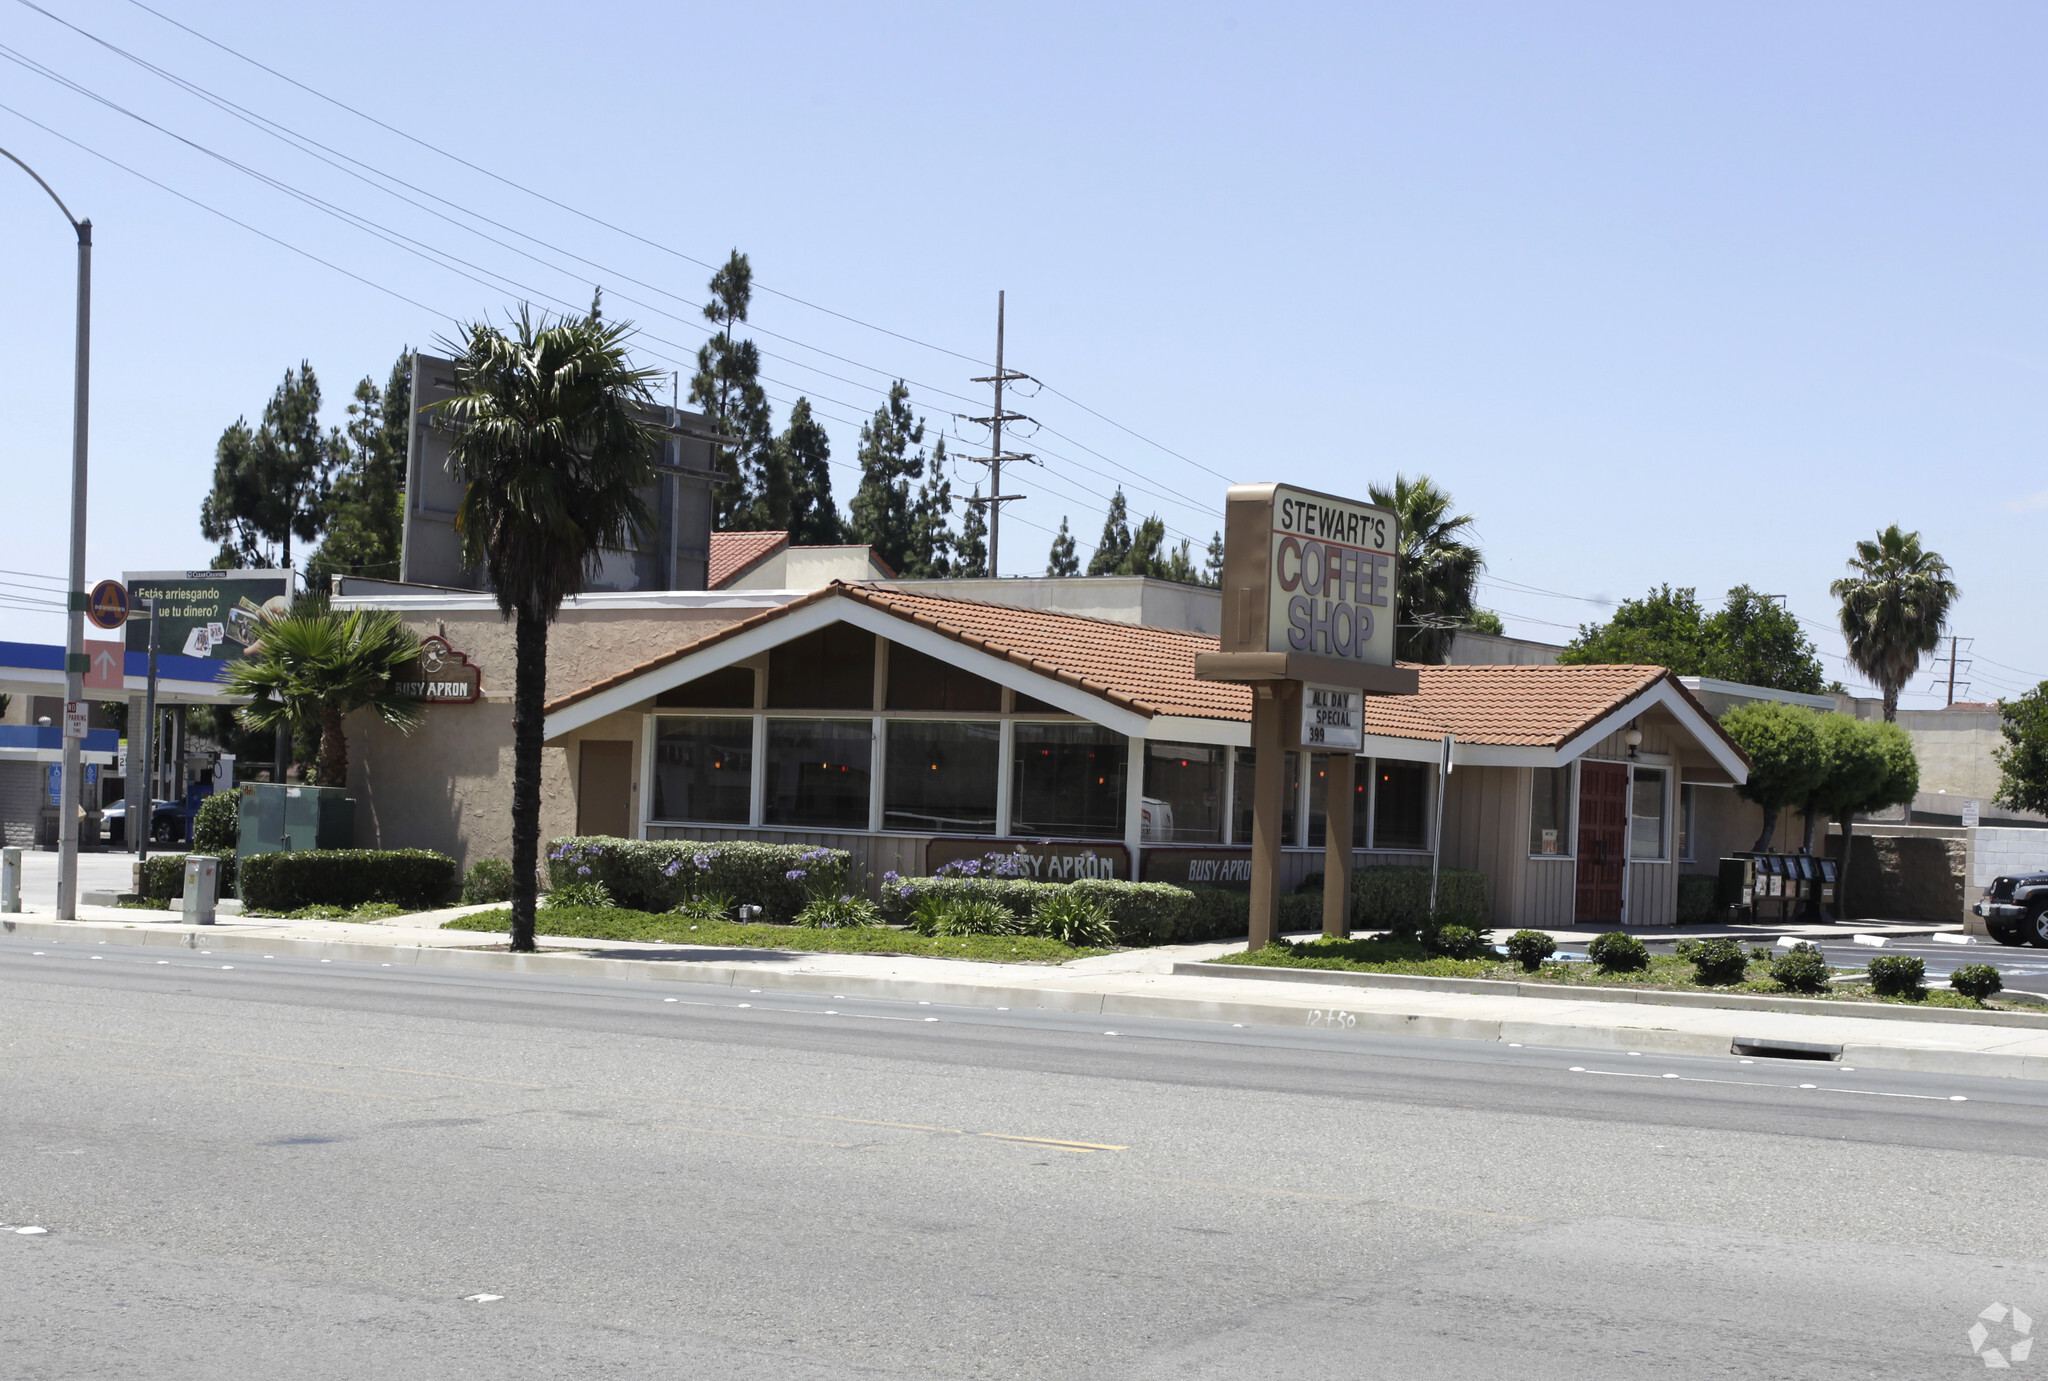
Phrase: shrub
[1618,952]
[1716,963]
[967,915]
[1458,942]
[1140,913]
[416,879]
[840,913]
[584,893]
[1073,919]
[903,898]
[1760,951]
[1397,899]
[163,877]
[1696,898]
[707,909]
[657,874]
[1530,948]
[217,827]
[1801,969]
[1977,981]
[488,880]
[1897,975]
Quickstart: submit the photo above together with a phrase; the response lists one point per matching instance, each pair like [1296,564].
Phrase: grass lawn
[1667,971]
[616,923]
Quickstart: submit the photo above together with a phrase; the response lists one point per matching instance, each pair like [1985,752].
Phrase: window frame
[1570,851]
[651,744]
[1664,840]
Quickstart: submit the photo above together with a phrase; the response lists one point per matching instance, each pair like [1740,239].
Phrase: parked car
[2015,909]
[166,821]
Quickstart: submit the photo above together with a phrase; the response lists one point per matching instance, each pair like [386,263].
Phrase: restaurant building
[913,728]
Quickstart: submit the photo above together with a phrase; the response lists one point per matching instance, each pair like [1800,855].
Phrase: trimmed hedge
[1396,897]
[1140,913]
[658,874]
[1696,898]
[163,877]
[417,879]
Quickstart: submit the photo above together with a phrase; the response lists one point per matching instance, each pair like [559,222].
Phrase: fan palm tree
[311,668]
[1895,602]
[1438,568]
[552,451]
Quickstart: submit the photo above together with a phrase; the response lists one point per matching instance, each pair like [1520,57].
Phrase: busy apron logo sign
[441,676]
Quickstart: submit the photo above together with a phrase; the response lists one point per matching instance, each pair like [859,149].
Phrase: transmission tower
[1953,649]
[996,454]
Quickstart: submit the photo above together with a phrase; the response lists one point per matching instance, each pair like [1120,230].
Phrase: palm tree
[553,452]
[1438,570]
[311,668]
[1895,602]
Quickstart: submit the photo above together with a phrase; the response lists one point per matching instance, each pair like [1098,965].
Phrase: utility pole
[1953,641]
[996,454]
[72,781]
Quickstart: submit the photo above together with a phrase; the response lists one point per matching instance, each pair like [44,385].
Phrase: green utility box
[276,818]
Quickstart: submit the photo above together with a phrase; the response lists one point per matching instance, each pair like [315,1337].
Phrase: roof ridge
[886,592]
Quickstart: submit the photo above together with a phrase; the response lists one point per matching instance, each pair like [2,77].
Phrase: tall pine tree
[727,386]
[271,483]
[1116,537]
[803,460]
[971,551]
[365,517]
[906,523]
[1062,560]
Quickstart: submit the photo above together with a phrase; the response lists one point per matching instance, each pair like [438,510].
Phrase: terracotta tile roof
[1152,671]
[734,553]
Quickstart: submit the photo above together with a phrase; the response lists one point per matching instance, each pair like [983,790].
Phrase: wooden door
[1603,841]
[604,787]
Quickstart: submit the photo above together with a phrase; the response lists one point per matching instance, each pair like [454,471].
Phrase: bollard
[10,880]
[202,882]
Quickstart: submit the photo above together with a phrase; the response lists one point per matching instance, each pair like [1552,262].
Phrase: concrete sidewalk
[1132,983]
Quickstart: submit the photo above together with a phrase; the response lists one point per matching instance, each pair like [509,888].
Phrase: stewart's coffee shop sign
[441,675]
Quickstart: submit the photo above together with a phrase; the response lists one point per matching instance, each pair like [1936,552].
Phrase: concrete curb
[1642,997]
[1108,1005]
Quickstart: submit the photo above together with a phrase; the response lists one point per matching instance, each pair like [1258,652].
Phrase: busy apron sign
[441,675]
[1030,861]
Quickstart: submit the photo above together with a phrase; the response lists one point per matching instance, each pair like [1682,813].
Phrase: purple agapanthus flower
[795,874]
[583,871]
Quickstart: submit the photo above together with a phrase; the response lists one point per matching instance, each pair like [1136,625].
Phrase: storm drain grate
[1784,1050]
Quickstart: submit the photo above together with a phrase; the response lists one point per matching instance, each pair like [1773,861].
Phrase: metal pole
[1436,835]
[141,827]
[995,452]
[74,617]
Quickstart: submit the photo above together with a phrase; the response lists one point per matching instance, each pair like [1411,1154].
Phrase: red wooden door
[1603,840]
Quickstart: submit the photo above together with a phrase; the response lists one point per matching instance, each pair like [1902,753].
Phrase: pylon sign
[107,607]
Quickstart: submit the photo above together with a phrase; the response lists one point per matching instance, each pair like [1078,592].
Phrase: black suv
[2015,909]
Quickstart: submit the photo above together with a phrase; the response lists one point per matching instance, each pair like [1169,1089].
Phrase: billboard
[203,613]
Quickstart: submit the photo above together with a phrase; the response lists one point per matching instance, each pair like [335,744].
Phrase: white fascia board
[32,681]
[812,617]
[1180,728]
[1742,691]
[52,755]
[1663,693]
[692,600]
[1462,754]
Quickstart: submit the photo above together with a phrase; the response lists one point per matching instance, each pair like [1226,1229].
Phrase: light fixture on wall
[1633,738]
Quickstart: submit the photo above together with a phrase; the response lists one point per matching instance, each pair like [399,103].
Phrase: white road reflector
[30,1232]
[481,1299]
[931,1018]
[668,999]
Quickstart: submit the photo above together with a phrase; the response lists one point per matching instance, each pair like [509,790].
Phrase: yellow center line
[1050,1141]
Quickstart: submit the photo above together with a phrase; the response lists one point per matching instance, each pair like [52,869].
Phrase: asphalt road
[254,1167]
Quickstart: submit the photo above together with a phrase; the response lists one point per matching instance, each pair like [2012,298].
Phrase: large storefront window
[1069,782]
[941,776]
[818,773]
[1646,814]
[1400,808]
[703,769]
[1241,805]
[1183,793]
[1550,810]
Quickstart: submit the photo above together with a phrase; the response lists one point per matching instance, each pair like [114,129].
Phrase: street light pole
[74,625]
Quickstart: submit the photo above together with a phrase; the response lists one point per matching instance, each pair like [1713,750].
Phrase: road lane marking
[1759,1083]
[1053,1141]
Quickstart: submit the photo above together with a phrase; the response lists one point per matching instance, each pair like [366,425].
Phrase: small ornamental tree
[1871,767]
[2023,761]
[1786,757]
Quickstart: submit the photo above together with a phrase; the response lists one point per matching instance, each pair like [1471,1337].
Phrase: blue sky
[1662,294]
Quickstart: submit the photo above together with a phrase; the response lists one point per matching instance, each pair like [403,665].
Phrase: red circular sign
[108,605]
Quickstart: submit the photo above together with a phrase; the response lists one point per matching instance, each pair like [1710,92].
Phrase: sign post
[1308,624]
[1436,835]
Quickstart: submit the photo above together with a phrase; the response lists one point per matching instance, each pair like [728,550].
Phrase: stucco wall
[448,785]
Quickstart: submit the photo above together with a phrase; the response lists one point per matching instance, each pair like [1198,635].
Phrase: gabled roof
[1151,671]
[733,554]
